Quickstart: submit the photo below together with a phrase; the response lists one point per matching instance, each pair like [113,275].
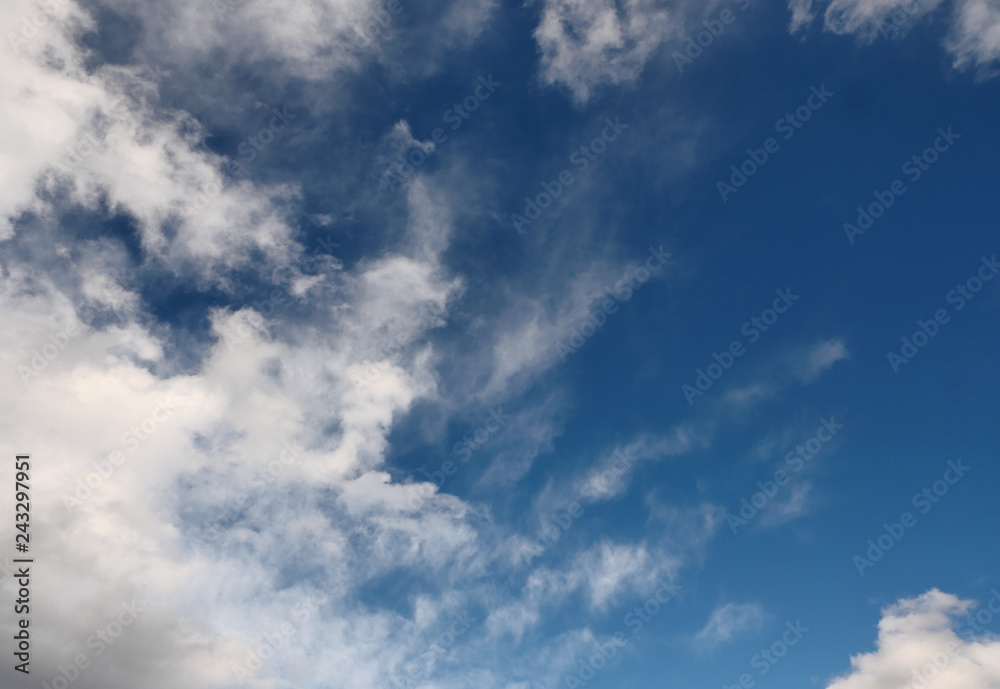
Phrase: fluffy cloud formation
[918,648]
[93,140]
[227,481]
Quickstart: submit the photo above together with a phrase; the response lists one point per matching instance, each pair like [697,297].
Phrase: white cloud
[86,139]
[820,358]
[918,648]
[610,476]
[864,17]
[729,621]
[788,506]
[311,40]
[974,25]
[587,43]
[975,35]
[802,14]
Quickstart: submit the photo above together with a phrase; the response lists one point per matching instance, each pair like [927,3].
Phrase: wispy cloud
[729,621]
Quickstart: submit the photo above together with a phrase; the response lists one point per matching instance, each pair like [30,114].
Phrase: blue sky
[568,343]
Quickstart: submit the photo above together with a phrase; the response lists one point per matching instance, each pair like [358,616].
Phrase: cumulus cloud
[233,475]
[918,648]
[94,140]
